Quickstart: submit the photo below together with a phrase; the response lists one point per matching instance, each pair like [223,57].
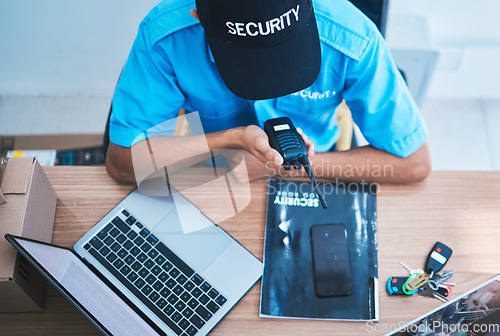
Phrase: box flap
[40,208]
[17,175]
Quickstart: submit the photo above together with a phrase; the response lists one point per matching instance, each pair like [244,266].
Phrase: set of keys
[426,282]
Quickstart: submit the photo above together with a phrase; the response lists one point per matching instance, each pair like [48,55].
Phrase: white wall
[66,47]
[78,47]
[465,33]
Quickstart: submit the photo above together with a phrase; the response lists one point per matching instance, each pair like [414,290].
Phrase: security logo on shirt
[315,95]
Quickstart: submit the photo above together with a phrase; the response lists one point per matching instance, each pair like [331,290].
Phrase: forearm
[149,155]
[368,164]
[176,152]
[362,164]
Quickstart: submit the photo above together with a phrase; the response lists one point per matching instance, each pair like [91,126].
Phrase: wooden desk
[461,209]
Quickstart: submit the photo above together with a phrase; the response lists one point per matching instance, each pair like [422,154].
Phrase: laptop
[152,265]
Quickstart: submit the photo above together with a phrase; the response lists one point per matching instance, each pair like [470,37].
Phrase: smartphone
[331,262]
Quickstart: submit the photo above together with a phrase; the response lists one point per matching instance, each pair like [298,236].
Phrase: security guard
[239,63]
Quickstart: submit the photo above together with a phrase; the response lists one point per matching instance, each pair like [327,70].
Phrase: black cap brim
[262,73]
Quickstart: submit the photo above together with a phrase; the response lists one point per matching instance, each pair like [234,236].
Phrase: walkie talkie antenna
[308,169]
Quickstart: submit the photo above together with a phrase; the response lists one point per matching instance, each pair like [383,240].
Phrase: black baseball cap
[262,48]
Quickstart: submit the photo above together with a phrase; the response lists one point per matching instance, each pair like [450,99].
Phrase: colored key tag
[444,290]
[416,280]
[405,288]
[437,258]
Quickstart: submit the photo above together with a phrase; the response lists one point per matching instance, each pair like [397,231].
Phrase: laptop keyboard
[171,289]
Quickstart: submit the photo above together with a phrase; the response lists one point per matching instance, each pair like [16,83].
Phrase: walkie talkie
[289,143]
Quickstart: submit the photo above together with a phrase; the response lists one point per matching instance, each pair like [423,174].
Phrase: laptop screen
[70,275]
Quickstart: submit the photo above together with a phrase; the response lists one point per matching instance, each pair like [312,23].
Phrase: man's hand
[261,159]
[256,142]
[309,144]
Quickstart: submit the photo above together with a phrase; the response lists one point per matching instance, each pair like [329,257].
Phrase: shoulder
[166,18]
[343,27]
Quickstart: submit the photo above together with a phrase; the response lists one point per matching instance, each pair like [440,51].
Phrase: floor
[463,134]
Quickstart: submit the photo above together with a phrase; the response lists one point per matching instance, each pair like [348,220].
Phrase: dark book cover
[288,284]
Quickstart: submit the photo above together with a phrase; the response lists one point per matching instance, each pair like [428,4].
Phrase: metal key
[443,276]
[447,283]
[438,278]
[440,297]
[425,290]
[411,270]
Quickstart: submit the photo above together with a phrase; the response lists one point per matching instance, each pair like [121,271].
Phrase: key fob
[437,258]
[395,285]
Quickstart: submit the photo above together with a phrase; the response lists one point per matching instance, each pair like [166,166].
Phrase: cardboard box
[28,211]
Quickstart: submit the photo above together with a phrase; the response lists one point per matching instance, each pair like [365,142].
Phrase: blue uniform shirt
[170,66]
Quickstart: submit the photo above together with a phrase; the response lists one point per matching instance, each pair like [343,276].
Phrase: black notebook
[290,281]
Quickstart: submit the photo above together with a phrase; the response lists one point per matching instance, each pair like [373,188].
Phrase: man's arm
[119,163]
[127,164]
[366,163]
[362,164]
[369,164]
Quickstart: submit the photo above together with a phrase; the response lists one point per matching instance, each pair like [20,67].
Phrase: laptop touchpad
[192,236]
